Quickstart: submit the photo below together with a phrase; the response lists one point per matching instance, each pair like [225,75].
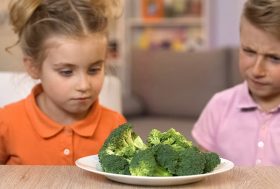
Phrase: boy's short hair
[264,14]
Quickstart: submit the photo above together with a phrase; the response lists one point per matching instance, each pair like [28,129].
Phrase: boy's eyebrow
[246,47]
[272,55]
[265,54]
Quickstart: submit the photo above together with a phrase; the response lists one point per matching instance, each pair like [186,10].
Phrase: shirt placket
[261,143]
[67,146]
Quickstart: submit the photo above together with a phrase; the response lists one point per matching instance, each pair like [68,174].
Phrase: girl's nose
[83,82]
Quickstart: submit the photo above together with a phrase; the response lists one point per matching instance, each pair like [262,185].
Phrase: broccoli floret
[154,137]
[180,162]
[171,137]
[119,148]
[144,164]
[115,164]
[212,160]
[191,162]
[167,157]
[123,141]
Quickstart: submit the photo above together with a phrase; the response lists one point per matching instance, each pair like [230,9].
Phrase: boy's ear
[31,67]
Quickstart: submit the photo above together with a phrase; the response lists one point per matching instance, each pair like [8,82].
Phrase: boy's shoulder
[232,94]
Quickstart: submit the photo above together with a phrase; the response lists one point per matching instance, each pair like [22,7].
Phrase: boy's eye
[249,51]
[274,59]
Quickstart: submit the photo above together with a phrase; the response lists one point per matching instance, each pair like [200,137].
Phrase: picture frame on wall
[152,9]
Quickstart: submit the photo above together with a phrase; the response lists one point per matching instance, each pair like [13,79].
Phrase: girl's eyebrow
[63,64]
[67,64]
[98,62]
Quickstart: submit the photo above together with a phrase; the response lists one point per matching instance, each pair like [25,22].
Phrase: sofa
[170,89]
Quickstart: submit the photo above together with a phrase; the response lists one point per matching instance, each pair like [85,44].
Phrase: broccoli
[167,157]
[144,164]
[191,162]
[212,160]
[179,162]
[115,164]
[154,137]
[122,142]
[165,154]
[171,137]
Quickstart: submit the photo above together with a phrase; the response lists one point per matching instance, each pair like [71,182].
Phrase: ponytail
[20,12]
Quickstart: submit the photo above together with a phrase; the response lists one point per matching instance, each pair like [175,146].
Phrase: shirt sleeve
[205,129]
[3,149]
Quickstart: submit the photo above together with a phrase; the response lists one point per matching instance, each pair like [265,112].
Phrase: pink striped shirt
[233,126]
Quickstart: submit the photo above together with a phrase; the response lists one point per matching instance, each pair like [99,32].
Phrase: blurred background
[170,57]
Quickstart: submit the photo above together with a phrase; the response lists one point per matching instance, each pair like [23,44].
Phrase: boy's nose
[258,68]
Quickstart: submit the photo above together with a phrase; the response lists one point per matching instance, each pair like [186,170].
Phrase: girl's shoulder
[9,114]
[12,109]
[112,114]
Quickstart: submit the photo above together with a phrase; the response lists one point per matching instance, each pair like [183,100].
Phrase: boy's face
[72,75]
[260,63]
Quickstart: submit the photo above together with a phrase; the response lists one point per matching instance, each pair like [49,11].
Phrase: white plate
[91,163]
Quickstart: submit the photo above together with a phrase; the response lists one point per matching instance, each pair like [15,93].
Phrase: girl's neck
[56,114]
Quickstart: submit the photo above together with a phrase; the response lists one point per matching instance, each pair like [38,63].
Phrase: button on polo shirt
[66,151]
[260,144]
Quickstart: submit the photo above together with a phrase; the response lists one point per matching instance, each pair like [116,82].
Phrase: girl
[64,46]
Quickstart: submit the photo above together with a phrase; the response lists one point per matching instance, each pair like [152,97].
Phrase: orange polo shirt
[28,136]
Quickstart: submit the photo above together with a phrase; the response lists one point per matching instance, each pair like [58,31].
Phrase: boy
[242,124]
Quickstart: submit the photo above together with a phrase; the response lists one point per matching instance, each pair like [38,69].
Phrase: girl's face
[72,75]
[260,63]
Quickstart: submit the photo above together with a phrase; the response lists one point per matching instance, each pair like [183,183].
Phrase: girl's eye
[66,73]
[94,70]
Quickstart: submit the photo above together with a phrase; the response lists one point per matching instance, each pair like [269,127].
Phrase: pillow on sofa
[178,84]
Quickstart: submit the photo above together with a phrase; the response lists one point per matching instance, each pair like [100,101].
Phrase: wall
[222,23]
[8,61]
[225,26]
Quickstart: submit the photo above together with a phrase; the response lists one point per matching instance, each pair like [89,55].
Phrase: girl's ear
[31,67]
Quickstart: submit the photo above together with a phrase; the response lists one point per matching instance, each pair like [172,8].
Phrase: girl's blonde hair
[36,20]
[264,14]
